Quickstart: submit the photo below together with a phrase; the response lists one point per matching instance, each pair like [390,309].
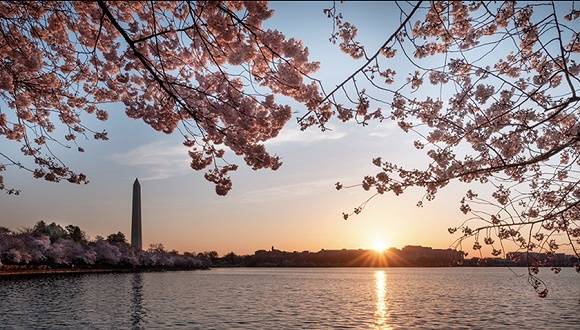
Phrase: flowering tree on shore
[51,245]
[490,94]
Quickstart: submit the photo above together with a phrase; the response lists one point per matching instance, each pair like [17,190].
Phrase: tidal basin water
[323,298]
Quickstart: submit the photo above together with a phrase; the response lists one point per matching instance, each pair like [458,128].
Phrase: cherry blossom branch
[370,59]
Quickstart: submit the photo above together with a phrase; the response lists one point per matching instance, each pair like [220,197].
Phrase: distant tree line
[51,245]
[409,256]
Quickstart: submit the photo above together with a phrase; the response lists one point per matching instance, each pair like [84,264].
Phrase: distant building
[136,238]
[427,256]
[408,256]
[540,259]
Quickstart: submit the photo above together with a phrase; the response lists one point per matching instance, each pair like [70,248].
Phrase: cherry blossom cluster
[205,69]
[51,245]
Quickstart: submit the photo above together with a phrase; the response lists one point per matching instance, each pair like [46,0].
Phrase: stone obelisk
[136,217]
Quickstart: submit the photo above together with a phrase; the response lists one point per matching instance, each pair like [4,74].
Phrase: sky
[295,208]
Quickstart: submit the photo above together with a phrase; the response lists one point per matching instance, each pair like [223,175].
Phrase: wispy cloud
[381,134]
[384,130]
[295,135]
[288,191]
[166,159]
[159,160]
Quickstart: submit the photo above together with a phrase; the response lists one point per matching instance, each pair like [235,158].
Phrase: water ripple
[401,298]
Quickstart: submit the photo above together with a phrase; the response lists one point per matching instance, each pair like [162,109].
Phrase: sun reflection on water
[381,292]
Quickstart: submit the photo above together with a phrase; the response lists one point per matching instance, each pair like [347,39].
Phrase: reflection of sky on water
[253,298]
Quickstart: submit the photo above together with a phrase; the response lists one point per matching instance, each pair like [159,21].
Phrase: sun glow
[379,246]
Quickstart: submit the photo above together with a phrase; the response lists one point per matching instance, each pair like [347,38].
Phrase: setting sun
[379,246]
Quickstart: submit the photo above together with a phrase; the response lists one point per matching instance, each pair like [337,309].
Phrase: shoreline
[32,272]
[80,271]
[66,271]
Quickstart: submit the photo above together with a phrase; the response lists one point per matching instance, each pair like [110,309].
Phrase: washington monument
[136,217]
